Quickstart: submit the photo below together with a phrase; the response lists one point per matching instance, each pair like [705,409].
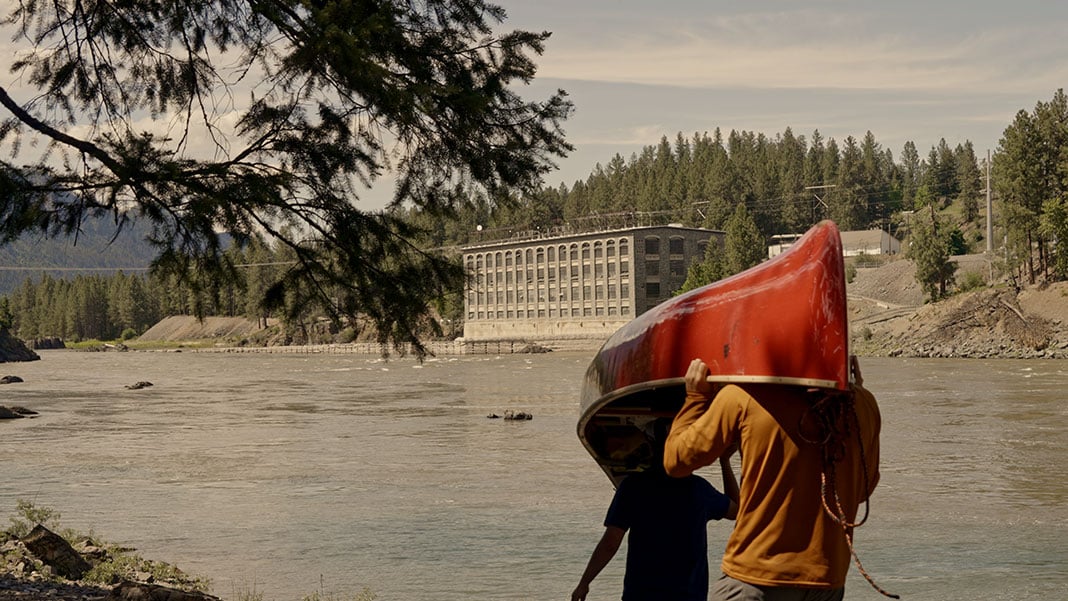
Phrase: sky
[907,70]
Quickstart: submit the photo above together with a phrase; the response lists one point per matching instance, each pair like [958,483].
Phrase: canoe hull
[783,322]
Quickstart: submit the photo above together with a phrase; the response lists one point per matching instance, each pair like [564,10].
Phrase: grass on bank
[116,563]
[135,344]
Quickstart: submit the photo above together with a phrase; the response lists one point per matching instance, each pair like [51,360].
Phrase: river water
[290,474]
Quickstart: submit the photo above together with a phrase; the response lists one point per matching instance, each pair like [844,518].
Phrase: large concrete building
[579,286]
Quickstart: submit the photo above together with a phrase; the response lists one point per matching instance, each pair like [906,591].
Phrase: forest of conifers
[785,183]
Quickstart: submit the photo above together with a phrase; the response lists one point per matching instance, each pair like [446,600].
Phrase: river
[290,474]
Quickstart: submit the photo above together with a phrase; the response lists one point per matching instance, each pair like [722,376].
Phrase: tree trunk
[1043,256]
[1030,259]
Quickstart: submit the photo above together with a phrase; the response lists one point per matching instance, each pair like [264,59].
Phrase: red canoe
[783,321]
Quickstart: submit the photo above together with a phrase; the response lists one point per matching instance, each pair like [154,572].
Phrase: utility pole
[989,208]
[819,199]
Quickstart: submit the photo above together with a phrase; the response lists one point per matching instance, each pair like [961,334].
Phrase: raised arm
[697,437]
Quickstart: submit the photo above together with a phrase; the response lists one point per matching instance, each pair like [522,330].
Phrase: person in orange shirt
[808,460]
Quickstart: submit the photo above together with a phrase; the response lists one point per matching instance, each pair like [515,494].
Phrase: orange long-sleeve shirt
[783,536]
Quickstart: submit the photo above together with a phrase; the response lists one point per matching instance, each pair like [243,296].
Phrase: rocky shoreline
[988,323]
[43,566]
[13,349]
[16,588]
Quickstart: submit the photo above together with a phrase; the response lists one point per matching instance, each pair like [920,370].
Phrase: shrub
[248,594]
[867,261]
[850,272]
[364,595]
[27,515]
[119,565]
[970,280]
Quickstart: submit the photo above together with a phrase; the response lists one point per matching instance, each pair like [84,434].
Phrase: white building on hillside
[857,242]
[869,242]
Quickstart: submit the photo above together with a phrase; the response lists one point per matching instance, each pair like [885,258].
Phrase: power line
[51,268]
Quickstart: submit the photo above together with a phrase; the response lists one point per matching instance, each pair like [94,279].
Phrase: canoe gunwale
[596,406]
[806,382]
[629,390]
[615,470]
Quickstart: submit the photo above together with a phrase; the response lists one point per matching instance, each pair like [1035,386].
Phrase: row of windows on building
[572,252]
[540,256]
[568,280]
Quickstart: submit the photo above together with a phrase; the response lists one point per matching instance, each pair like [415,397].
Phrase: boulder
[138,385]
[6,413]
[10,379]
[54,551]
[47,343]
[138,591]
[15,412]
[13,349]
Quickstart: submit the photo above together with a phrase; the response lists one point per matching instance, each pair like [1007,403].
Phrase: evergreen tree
[929,247]
[874,181]
[794,209]
[743,246]
[1051,122]
[260,271]
[711,181]
[940,173]
[710,269]
[22,304]
[829,174]
[968,184]
[344,85]
[911,171]
[1053,224]
[814,161]
[847,201]
[1019,180]
[7,317]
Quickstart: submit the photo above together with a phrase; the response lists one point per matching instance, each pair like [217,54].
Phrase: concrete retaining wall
[437,347]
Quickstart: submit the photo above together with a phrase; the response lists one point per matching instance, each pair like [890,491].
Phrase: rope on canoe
[833,430]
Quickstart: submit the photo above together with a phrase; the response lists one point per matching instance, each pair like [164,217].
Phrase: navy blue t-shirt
[667,546]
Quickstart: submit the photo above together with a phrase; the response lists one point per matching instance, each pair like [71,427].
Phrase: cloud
[809,48]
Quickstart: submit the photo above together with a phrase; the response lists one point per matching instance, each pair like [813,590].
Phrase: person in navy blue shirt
[667,549]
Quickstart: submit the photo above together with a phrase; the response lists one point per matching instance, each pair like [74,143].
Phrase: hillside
[179,328]
[94,251]
[888,317]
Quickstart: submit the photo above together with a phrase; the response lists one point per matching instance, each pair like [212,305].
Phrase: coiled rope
[833,430]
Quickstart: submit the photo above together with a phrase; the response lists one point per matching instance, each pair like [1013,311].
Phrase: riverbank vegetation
[111,564]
